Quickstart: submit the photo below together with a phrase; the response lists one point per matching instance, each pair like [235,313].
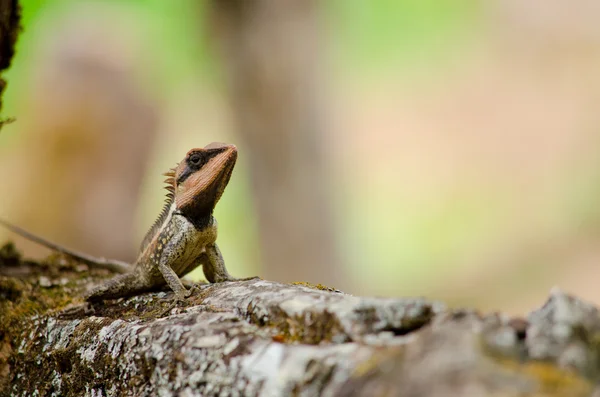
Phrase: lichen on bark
[259,337]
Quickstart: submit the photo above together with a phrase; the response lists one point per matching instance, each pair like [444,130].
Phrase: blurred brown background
[414,147]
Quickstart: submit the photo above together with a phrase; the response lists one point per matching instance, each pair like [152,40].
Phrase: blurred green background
[452,145]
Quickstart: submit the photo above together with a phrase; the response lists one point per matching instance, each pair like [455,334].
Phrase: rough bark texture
[262,338]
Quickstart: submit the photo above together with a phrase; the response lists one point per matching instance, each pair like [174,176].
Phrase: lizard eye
[195,159]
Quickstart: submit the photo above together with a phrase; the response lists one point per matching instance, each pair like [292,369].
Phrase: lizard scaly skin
[182,238]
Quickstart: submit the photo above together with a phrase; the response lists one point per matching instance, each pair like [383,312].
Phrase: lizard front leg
[169,255]
[213,265]
[214,268]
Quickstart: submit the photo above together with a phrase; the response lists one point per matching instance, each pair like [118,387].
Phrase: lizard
[182,238]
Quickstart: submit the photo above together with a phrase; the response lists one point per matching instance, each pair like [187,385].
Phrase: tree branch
[263,338]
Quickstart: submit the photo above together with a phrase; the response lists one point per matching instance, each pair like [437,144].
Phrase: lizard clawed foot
[245,278]
[195,288]
[182,296]
[177,299]
[233,279]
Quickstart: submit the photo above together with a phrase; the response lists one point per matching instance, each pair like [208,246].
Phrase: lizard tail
[110,264]
[120,286]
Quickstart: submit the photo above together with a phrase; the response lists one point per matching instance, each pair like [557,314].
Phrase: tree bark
[258,337]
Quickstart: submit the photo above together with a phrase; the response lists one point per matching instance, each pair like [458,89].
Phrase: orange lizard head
[198,182]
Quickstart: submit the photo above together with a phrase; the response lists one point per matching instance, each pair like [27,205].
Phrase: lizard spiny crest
[164,214]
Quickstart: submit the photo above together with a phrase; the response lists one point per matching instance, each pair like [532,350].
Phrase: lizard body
[181,239]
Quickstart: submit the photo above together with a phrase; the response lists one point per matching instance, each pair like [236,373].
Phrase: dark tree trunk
[272,62]
[10,19]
